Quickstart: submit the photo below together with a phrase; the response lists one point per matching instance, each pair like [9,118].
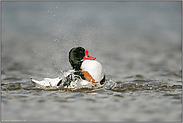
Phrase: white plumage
[94,68]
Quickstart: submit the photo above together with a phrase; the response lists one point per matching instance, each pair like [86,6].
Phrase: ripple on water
[110,95]
[135,85]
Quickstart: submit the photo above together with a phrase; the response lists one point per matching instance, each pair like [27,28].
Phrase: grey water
[137,43]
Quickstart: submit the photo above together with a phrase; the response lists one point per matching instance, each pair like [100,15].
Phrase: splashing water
[69,80]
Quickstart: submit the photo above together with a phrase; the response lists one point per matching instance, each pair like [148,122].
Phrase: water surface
[137,43]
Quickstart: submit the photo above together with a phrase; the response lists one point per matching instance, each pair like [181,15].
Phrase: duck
[84,66]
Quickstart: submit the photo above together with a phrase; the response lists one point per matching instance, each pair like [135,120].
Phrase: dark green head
[76,55]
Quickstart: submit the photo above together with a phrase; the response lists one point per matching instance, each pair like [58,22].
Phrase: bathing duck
[85,66]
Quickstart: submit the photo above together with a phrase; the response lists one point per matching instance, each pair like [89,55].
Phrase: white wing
[47,81]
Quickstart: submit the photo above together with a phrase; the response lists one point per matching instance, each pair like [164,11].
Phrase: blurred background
[129,39]
[125,32]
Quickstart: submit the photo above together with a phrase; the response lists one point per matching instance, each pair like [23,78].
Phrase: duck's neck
[76,65]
